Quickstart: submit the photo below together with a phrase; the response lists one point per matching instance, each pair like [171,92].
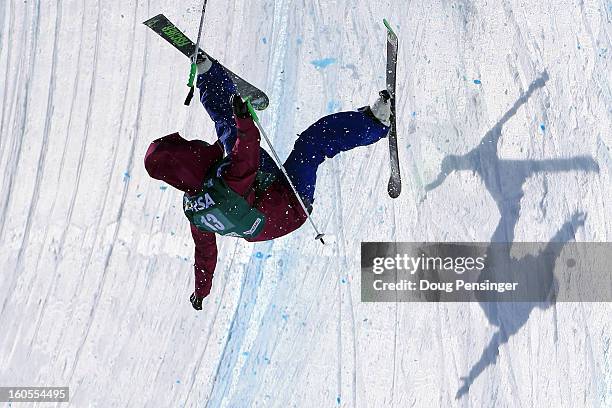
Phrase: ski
[394,188]
[169,32]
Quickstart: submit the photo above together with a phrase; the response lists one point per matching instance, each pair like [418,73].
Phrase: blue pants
[327,137]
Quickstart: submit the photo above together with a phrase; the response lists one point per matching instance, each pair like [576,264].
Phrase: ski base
[394,187]
[169,32]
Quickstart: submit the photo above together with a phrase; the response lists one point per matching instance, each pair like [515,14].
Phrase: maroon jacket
[183,164]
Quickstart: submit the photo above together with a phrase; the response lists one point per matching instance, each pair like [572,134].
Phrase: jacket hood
[181,163]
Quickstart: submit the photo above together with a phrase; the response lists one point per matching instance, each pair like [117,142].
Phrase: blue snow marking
[138,195]
[264,40]
[126,176]
[285,316]
[260,255]
[299,41]
[343,280]
[338,400]
[333,106]
[543,127]
[163,188]
[245,353]
[323,63]
[477,81]
[414,114]
[178,381]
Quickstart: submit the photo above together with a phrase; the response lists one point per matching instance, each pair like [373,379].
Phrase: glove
[196,302]
[239,107]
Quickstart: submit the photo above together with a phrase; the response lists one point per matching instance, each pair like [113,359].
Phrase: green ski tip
[386,23]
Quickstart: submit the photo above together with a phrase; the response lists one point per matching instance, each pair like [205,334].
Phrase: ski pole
[280,165]
[194,58]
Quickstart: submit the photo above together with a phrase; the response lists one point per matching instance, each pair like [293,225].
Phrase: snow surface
[95,256]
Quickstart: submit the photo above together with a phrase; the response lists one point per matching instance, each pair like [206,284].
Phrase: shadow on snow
[504,179]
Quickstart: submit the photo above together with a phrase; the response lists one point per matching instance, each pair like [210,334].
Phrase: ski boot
[204,66]
[380,110]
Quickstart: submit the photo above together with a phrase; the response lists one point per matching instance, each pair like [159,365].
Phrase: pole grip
[192,74]
[189,97]
[252,110]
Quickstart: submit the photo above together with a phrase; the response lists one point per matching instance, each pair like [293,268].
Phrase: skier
[244,194]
